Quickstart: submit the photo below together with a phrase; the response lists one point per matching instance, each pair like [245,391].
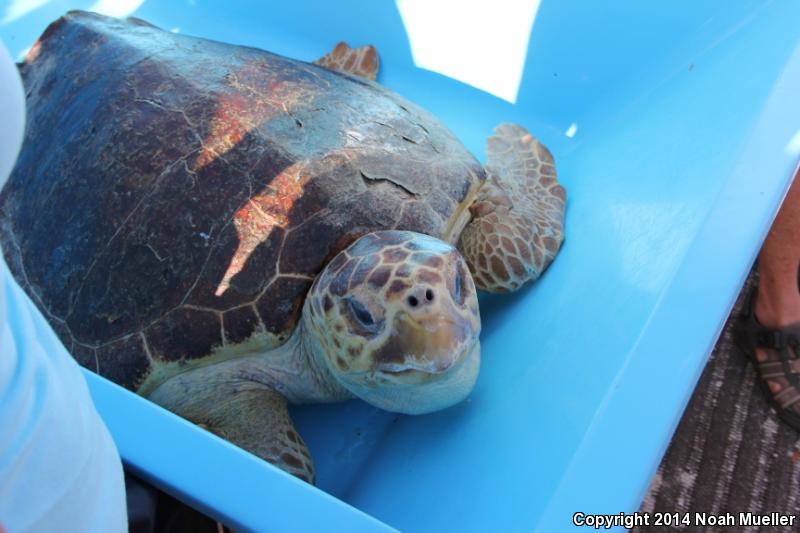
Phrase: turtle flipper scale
[248,414]
[518,217]
[274,439]
[362,61]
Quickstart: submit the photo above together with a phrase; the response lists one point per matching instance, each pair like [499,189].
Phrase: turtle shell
[175,197]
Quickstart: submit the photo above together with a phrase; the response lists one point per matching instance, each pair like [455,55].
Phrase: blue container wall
[674,127]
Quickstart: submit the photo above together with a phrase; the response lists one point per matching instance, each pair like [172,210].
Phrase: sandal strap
[763,336]
[783,371]
[776,369]
[788,399]
[775,339]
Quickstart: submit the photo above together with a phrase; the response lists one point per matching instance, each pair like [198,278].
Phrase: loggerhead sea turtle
[222,229]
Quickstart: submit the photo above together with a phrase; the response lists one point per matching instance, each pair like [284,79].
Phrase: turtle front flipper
[517,222]
[248,414]
[362,61]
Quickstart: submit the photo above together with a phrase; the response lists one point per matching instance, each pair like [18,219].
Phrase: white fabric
[12,109]
[59,468]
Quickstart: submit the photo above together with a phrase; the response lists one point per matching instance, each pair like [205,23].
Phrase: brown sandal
[779,372]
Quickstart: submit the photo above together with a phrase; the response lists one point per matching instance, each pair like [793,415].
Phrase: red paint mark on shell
[34,51]
[255,220]
[235,117]
[253,98]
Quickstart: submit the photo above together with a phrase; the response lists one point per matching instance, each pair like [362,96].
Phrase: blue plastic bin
[675,127]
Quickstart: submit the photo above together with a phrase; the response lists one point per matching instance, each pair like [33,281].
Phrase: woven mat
[730,453]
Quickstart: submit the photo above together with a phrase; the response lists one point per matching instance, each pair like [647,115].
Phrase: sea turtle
[223,230]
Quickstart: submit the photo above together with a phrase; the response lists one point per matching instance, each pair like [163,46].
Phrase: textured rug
[730,453]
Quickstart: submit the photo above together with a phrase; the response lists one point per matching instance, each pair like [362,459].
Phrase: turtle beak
[430,344]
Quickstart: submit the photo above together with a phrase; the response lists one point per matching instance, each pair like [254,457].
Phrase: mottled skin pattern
[403,301]
[224,230]
[518,217]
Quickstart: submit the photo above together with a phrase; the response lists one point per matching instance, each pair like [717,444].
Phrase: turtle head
[395,319]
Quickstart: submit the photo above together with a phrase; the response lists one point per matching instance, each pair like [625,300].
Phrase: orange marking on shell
[253,98]
[255,221]
[227,129]
[34,51]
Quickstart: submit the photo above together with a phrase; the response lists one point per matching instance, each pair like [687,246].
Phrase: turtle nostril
[429,295]
[412,301]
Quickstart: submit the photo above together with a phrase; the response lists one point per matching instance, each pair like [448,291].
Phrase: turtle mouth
[414,391]
[413,364]
[430,347]
[441,365]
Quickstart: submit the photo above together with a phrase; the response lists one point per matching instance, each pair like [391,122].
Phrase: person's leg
[777,310]
[778,301]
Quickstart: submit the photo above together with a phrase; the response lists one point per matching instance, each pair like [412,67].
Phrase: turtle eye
[360,312]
